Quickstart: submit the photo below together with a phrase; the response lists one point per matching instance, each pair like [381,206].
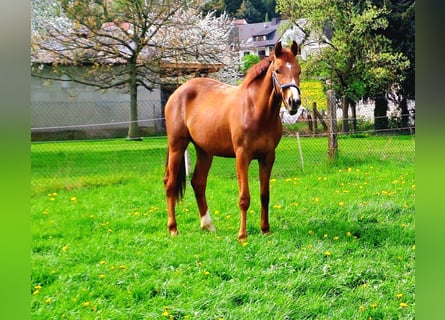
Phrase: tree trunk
[354,115]
[404,115]
[345,120]
[133,128]
[380,116]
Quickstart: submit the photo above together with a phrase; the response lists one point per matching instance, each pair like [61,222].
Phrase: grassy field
[342,242]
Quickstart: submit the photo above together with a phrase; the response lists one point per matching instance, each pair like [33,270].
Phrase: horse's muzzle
[293,103]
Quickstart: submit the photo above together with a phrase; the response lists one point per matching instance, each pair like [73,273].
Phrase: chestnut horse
[230,121]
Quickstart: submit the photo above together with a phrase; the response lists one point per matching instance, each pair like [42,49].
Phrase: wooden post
[332,126]
[314,119]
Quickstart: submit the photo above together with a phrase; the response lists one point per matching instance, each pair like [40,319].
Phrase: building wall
[67,110]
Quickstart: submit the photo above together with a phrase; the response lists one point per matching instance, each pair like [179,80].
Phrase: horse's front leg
[199,183]
[265,169]
[242,168]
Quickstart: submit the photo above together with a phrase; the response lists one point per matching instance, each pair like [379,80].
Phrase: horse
[230,121]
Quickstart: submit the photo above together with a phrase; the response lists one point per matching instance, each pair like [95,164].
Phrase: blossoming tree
[124,42]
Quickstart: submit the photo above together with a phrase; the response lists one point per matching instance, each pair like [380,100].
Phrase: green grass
[342,243]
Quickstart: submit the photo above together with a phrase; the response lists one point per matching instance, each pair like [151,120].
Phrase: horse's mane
[257,70]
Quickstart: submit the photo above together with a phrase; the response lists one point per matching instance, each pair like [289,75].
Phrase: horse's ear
[295,48]
[278,49]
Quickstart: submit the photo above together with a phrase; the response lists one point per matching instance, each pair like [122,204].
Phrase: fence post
[332,126]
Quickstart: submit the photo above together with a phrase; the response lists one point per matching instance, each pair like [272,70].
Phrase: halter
[282,86]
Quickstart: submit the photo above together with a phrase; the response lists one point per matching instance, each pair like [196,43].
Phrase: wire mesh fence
[89,140]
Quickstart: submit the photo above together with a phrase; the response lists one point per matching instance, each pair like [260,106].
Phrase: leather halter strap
[275,82]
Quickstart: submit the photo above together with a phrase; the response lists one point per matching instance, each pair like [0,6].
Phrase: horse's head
[286,76]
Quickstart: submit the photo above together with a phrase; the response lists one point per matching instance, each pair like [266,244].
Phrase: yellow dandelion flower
[362,308]
[325,235]
[73,199]
[64,248]
[122,267]
[374,305]
[101,276]
[311,232]
[348,234]
[399,295]
[38,287]
[102,262]
[36,292]
[413,247]
[277,206]
[206,273]
[86,304]
[403,305]
[349,169]
[165,313]
[327,253]
[48,300]
[336,238]
[341,203]
[245,243]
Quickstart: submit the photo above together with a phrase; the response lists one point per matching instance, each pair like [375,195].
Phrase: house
[260,38]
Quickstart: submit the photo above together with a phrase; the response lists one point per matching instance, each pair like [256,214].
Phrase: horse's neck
[268,103]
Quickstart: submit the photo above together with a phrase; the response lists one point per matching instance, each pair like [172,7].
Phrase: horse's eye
[277,71]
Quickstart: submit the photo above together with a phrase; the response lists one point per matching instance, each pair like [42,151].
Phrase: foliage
[252,11]
[247,61]
[342,244]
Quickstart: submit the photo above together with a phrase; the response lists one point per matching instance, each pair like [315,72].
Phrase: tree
[357,60]
[401,32]
[247,61]
[125,42]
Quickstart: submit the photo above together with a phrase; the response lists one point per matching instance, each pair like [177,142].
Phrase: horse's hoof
[174,233]
[242,237]
[209,227]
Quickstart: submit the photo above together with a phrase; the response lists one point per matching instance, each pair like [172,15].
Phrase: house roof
[247,32]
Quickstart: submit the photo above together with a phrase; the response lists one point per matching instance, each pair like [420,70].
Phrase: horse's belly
[218,145]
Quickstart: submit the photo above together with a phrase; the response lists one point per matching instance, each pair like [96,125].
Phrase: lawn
[342,242]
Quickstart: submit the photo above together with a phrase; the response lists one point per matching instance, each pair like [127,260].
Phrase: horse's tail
[180,184]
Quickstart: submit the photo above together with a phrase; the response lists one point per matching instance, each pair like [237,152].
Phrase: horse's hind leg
[199,184]
[174,182]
